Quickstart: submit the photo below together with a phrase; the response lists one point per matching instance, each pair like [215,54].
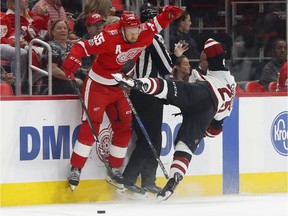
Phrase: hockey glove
[128,68]
[70,66]
[214,129]
[172,12]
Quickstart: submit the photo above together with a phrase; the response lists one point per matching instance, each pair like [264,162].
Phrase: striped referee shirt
[154,61]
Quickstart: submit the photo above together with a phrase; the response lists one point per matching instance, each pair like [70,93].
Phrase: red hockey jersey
[113,51]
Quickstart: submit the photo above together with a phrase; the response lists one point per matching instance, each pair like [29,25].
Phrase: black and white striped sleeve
[161,56]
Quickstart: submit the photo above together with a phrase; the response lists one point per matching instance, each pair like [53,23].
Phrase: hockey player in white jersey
[204,105]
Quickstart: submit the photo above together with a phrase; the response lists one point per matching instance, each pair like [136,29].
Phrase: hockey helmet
[129,19]
[148,14]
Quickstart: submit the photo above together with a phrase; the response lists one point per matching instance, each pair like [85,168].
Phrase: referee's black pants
[142,161]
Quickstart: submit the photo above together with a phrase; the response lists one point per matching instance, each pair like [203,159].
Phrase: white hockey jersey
[224,87]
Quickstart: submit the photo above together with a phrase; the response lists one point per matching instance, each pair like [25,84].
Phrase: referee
[155,61]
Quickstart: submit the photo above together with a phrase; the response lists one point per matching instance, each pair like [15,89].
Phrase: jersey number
[229,92]
[99,39]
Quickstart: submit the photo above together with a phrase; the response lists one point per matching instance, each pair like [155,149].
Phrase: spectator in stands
[270,71]
[283,78]
[102,7]
[55,11]
[31,25]
[182,69]
[8,51]
[53,8]
[60,49]
[180,32]
[268,27]
[95,24]
[206,9]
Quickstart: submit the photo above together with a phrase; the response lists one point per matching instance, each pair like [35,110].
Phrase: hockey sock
[181,159]
[155,86]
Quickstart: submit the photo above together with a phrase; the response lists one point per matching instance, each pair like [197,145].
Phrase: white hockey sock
[180,163]
[164,92]
[156,87]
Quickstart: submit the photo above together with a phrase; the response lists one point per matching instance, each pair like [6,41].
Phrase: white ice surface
[227,205]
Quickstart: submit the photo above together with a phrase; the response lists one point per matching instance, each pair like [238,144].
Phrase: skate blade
[164,198]
[115,184]
[135,189]
[126,193]
[72,187]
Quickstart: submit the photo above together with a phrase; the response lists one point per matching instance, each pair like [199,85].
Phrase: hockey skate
[74,177]
[115,178]
[170,187]
[135,189]
[125,81]
[154,189]
[132,192]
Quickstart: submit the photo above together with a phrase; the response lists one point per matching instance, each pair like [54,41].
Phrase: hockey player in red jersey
[115,45]
[204,105]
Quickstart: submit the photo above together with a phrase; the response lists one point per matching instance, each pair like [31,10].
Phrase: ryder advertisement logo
[279,133]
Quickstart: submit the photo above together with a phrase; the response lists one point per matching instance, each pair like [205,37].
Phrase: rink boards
[38,134]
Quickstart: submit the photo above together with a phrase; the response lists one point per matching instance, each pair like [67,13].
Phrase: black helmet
[148,14]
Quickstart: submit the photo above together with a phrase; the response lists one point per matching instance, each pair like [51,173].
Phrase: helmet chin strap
[123,34]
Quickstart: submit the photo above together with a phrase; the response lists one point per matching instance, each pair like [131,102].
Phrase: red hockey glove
[70,66]
[172,12]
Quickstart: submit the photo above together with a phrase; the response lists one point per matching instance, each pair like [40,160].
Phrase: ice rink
[227,205]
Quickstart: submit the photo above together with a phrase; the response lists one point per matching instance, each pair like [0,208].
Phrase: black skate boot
[74,177]
[125,81]
[170,187]
[115,178]
[152,189]
[135,189]
[132,192]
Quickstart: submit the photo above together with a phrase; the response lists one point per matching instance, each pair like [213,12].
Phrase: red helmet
[129,19]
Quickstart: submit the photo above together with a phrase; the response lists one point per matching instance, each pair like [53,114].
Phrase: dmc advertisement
[38,138]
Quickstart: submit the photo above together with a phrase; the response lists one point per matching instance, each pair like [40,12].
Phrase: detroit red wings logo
[123,57]
[105,137]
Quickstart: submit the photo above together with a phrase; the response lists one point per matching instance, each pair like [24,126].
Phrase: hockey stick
[127,67]
[101,150]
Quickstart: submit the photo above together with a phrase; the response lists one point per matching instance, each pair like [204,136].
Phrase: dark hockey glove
[70,66]
[214,129]
[128,68]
